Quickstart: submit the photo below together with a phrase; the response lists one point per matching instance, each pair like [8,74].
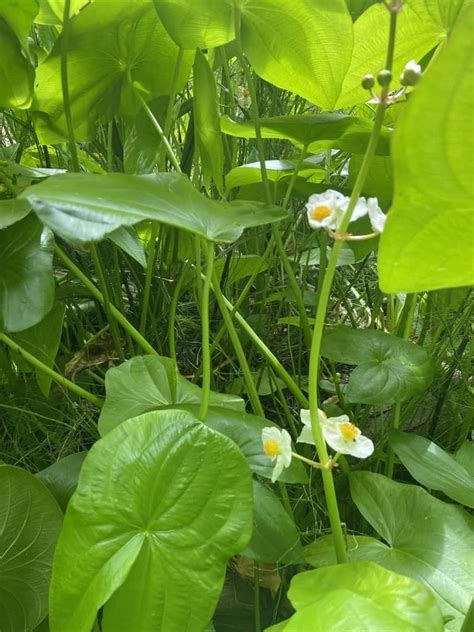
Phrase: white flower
[339,433]
[277,445]
[326,210]
[376,215]
[412,66]
[306,435]
[411,73]
[243,97]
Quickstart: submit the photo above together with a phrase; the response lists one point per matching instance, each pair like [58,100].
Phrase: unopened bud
[368,82]
[384,78]
[411,74]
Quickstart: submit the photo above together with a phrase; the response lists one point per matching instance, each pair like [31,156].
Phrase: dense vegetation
[236,250]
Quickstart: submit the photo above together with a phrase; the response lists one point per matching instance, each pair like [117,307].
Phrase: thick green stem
[328,481]
[206,354]
[57,377]
[65,87]
[97,294]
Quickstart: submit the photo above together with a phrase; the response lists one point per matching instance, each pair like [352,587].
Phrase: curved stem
[57,377]
[206,355]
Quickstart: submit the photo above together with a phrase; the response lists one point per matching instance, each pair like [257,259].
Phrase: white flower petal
[306,436]
[361,447]
[412,66]
[360,209]
[283,440]
[277,470]
[376,215]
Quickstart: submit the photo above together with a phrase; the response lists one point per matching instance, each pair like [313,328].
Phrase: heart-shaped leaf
[26,264]
[147,383]
[162,503]
[86,207]
[12,211]
[30,522]
[110,45]
[275,538]
[389,369]
[427,242]
[433,467]
[61,477]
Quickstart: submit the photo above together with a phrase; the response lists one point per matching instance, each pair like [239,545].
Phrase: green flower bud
[384,78]
[368,82]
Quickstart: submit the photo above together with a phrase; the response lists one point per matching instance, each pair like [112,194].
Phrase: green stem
[150,266]
[206,355]
[57,377]
[105,293]
[173,310]
[256,574]
[314,362]
[65,87]
[249,382]
[97,294]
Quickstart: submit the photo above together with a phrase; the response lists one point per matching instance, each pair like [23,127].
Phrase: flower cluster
[339,433]
[326,210]
[243,96]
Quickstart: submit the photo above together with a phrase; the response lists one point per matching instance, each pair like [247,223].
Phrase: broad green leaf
[61,477]
[16,72]
[427,539]
[246,431]
[148,550]
[26,274]
[433,467]
[318,132]
[389,369]
[108,44]
[86,207]
[428,241]
[206,123]
[465,456]
[291,47]
[30,522]
[12,211]
[51,12]
[275,538]
[127,239]
[361,597]
[146,383]
[421,25]
[197,24]
[42,340]
[19,16]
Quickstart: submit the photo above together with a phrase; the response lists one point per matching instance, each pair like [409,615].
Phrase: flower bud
[368,82]
[384,78]
[411,74]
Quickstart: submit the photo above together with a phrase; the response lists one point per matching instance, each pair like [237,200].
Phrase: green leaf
[42,340]
[389,369]
[361,597]
[155,551]
[16,72]
[275,538]
[61,477]
[427,539]
[465,456]
[318,133]
[427,242]
[197,24]
[147,383]
[292,50]
[19,17]
[127,240]
[433,467]
[206,123]
[85,207]
[107,43]
[12,211]
[51,11]
[30,522]
[421,26]
[26,265]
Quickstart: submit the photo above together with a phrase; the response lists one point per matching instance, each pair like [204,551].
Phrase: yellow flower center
[271,447]
[320,212]
[349,431]
[246,92]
